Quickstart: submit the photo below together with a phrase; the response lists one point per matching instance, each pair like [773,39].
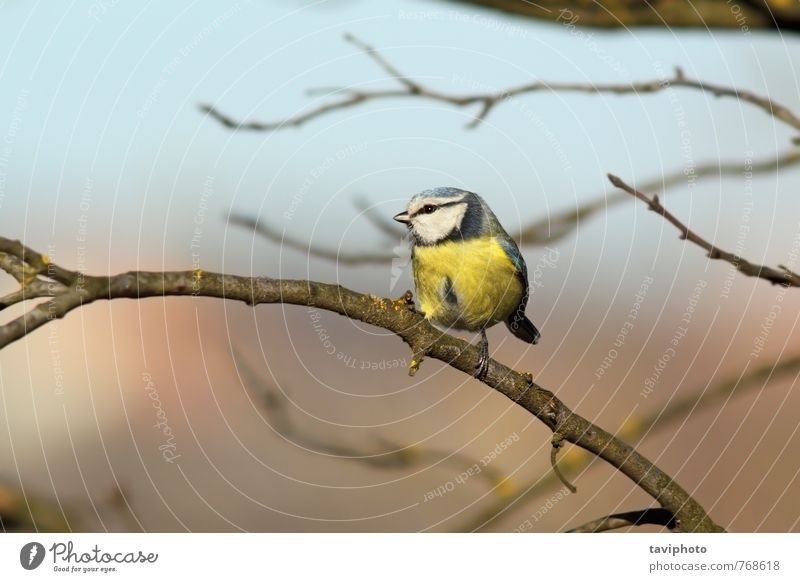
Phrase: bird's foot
[483,360]
[405,302]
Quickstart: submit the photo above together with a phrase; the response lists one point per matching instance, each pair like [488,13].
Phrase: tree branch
[638,428]
[780,276]
[487,101]
[397,316]
[539,232]
[386,455]
[550,229]
[272,234]
[388,227]
[750,14]
[650,516]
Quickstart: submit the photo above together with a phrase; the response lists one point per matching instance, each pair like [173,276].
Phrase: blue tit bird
[468,272]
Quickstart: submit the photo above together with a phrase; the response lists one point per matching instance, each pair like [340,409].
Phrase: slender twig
[397,316]
[288,241]
[557,441]
[780,276]
[650,516]
[390,69]
[487,101]
[539,232]
[680,408]
[550,229]
[386,226]
[386,455]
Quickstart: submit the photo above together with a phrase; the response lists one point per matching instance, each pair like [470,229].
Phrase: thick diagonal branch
[397,316]
[676,411]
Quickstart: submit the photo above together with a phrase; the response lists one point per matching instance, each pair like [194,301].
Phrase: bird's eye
[428,208]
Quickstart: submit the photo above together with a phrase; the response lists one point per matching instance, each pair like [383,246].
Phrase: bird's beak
[403,217]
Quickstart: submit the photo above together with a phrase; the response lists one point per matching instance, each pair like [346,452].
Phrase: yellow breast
[466,284]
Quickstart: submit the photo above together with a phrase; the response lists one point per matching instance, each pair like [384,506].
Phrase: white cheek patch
[431,228]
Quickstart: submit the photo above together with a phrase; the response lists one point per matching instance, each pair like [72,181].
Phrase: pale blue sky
[105,94]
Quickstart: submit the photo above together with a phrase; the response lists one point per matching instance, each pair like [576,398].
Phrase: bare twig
[557,441]
[550,229]
[287,241]
[680,408]
[780,276]
[650,516]
[386,455]
[540,232]
[390,69]
[487,101]
[388,227]
[397,316]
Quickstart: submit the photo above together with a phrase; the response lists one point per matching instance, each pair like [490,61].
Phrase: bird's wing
[518,323]
[512,251]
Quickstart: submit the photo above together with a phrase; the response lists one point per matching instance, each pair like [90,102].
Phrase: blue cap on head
[441,192]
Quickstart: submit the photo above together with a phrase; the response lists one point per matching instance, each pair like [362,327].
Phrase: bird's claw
[405,302]
[483,361]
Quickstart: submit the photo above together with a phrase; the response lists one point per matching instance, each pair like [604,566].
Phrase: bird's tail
[523,328]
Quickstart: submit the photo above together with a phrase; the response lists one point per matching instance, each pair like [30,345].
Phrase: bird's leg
[483,361]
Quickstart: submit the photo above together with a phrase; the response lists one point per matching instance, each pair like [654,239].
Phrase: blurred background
[197,414]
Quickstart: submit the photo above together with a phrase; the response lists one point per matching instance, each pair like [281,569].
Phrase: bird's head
[440,214]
